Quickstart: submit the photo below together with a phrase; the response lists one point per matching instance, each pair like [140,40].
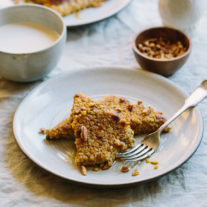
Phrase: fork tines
[140,152]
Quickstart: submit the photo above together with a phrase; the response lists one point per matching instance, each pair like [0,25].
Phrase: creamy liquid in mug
[26,37]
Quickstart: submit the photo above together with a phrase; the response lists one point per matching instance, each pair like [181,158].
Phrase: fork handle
[196,97]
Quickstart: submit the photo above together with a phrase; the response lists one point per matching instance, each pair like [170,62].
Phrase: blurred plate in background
[90,15]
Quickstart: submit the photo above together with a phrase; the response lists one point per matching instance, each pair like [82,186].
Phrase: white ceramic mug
[32,66]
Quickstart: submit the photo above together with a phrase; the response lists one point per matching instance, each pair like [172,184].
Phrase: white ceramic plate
[51,101]
[89,15]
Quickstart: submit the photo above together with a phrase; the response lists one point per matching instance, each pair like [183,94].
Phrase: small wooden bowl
[165,67]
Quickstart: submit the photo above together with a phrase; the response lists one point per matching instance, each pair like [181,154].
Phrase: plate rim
[156,76]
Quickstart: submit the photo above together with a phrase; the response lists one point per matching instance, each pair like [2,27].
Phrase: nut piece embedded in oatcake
[142,119]
[99,133]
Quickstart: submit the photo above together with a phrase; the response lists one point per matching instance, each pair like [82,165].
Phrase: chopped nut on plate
[135,173]
[83,170]
[125,169]
[154,162]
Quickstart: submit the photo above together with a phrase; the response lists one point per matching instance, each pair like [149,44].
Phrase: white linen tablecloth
[22,183]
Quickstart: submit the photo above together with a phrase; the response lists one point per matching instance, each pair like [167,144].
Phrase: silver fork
[151,142]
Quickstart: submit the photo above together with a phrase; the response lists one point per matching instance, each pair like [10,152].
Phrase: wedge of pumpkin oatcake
[99,133]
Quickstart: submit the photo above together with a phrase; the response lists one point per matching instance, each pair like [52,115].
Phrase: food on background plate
[66,7]
[135,173]
[103,128]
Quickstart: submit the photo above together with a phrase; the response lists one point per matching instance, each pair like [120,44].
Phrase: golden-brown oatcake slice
[142,119]
[99,133]
[66,7]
